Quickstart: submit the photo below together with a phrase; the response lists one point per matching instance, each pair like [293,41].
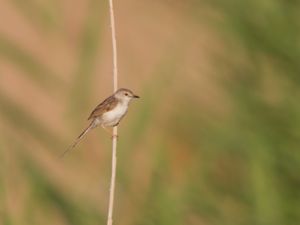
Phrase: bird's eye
[126,94]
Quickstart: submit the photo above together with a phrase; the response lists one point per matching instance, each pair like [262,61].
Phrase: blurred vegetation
[184,165]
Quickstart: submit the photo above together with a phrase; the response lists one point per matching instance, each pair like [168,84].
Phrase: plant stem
[113,178]
[115,129]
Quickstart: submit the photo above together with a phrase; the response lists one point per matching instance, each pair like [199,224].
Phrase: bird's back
[105,106]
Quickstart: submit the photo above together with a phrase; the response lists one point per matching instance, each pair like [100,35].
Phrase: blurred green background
[214,140]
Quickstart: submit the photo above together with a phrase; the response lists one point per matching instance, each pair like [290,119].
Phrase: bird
[108,113]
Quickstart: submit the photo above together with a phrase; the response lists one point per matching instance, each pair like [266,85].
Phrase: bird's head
[125,95]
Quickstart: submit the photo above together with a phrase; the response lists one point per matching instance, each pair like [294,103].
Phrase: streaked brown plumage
[105,106]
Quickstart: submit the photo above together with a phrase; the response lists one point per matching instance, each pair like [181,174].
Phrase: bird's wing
[107,105]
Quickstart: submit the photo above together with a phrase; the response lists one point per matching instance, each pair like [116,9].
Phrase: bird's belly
[114,116]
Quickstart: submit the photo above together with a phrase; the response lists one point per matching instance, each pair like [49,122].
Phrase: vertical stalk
[115,129]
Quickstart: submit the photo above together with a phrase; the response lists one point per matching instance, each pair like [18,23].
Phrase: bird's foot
[114,136]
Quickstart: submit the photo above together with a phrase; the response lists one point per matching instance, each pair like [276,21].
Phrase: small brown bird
[108,113]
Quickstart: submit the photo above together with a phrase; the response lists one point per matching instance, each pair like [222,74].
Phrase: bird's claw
[114,136]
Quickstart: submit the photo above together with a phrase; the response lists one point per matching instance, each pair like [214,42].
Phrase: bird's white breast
[111,118]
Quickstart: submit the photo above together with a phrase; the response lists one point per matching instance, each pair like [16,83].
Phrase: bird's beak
[136,96]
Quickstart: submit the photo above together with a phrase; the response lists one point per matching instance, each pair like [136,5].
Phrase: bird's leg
[109,132]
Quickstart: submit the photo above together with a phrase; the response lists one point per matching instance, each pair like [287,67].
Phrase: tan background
[212,140]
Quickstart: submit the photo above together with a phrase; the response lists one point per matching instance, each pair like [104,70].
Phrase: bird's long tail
[84,132]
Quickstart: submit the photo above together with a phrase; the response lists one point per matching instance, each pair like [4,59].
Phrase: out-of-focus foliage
[214,139]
